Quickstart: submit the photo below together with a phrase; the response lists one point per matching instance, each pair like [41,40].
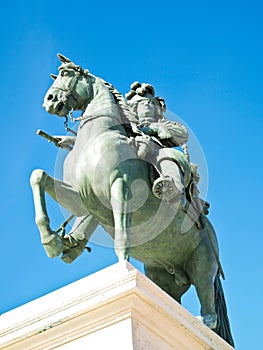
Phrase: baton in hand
[52,139]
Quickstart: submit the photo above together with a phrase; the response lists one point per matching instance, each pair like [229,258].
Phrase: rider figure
[152,122]
[156,129]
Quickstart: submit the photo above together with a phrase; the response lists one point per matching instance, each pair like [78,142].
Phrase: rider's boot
[165,188]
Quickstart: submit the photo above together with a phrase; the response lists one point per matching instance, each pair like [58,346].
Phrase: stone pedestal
[117,308]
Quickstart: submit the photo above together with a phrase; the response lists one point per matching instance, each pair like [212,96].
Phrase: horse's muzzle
[53,106]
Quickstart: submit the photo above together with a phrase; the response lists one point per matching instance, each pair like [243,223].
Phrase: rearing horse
[106,182]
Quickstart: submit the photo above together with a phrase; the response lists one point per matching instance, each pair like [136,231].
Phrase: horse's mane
[126,112]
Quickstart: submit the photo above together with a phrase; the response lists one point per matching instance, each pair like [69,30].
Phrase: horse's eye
[64,73]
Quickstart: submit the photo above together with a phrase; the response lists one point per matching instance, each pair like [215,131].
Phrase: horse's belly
[164,242]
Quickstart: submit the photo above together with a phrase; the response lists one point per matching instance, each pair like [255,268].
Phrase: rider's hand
[148,130]
[66,141]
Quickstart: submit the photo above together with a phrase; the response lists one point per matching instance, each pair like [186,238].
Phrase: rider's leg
[75,242]
[169,186]
[172,170]
[63,194]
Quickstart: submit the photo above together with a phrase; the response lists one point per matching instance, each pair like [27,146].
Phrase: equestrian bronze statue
[125,173]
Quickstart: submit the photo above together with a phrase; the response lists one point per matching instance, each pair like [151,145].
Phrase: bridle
[69,89]
[69,93]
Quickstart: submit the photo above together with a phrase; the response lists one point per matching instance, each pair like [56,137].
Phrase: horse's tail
[223,325]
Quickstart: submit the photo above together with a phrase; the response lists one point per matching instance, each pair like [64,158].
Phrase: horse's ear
[63,59]
[53,76]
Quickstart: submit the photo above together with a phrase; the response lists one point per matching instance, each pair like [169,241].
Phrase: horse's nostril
[50,97]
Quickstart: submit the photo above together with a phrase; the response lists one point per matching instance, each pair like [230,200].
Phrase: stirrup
[164,188]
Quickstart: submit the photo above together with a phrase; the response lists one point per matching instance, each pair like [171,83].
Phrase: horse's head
[69,90]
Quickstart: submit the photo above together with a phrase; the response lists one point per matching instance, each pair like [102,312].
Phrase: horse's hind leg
[63,194]
[202,268]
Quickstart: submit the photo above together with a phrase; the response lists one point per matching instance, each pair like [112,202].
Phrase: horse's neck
[101,114]
[102,102]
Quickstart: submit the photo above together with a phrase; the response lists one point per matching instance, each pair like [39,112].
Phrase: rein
[66,124]
[91,117]
[84,117]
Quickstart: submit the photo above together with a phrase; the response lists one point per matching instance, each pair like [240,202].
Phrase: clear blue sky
[205,58]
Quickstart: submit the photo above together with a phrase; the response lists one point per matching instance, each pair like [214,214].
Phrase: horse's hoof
[210,320]
[72,248]
[200,318]
[122,254]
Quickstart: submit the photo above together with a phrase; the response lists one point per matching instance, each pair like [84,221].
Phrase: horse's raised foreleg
[120,195]
[64,194]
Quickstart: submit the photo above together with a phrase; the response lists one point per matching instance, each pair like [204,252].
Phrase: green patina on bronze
[108,180]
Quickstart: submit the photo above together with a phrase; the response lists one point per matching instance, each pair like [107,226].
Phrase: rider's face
[146,109]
